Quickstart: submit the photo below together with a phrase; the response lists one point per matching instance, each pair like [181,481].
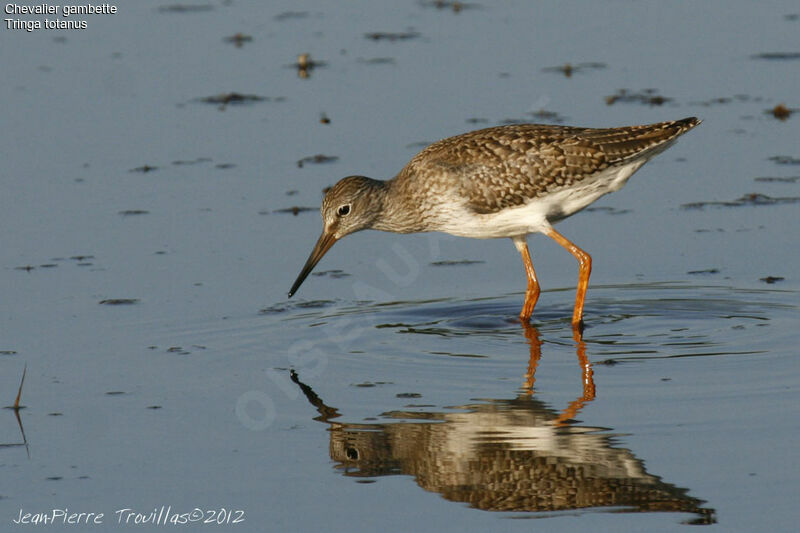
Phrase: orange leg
[532,292]
[585,269]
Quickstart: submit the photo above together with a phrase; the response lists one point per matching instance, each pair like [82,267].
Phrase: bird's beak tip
[324,243]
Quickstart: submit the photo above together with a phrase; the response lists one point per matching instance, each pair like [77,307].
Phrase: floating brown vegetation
[287,15]
[568,69]
[238,39]
[294,210]
[144,169]
[608,210]
[119,301]
[305,65]
[738,98]
[233,98]
[771,279]
[777,56]
[548,116]
[180,162]
[180,350]
[186,8]
[335,274]
[778,179]
[391,36]
[780,111]
[134,212]
[704,272]
[784,160]
[455,6]
[751,199]
[317,159]
[369,384]
[646,97]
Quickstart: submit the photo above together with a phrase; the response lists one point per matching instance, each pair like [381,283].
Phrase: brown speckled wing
[506,166]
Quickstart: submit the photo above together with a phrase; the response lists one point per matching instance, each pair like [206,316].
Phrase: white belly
[538,214]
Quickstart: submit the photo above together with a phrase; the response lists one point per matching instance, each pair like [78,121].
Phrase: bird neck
[398,211]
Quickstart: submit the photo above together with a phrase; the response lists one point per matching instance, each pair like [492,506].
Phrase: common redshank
[506,181]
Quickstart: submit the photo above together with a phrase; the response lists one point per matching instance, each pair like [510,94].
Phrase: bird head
[351,205]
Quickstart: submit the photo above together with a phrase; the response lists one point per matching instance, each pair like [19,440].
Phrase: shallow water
[160,193]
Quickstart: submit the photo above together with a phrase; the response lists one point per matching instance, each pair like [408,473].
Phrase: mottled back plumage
[507,166]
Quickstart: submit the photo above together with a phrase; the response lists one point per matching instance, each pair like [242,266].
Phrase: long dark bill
[326,240]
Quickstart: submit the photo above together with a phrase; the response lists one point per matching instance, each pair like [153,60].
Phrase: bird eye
[343,210]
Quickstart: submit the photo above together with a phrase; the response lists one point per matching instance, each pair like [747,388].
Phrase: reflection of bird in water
[506,181]
[507,455]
